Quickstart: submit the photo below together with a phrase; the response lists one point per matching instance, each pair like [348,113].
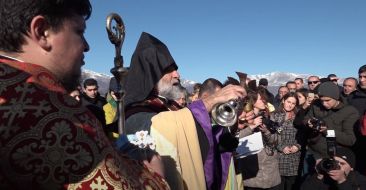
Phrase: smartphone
[311,96]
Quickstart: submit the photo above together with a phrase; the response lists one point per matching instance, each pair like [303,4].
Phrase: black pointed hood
[148,63]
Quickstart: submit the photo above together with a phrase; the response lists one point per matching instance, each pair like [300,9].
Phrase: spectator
[291,85]
[333,78]
[290,146]
[91,95]
[299,83]
[282,90]
[313,81]
[75,94]
[196,90]
[358,99]
[260,171]
[334,115]
[342,177]
[349,85]
[179,94]
[264,83]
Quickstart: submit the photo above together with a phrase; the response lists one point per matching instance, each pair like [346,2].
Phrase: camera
[328,164]
[317,123]
[272,126]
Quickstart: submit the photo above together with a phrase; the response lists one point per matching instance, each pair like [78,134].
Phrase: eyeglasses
[313,82]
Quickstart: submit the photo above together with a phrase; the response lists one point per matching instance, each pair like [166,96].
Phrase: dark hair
[262,91]
[16,16]
[285,97]
[303,91]
[90,82]
[300,79]
[362,69]
[209,86]
[196,88]
[231,80]
[290,82]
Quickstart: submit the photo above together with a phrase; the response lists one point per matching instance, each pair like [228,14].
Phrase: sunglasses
[334,80]
[313,82]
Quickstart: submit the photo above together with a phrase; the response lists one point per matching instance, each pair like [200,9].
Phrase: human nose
[86,44]
[176,74]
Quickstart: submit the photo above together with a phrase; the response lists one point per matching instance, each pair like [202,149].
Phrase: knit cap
[328,89]
[347,155]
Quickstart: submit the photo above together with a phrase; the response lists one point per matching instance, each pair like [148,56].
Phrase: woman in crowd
[260,171]
[306,98]
[289,146]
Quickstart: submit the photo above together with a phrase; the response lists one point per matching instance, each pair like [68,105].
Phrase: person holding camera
[260,171]
[336,173]
[329,113]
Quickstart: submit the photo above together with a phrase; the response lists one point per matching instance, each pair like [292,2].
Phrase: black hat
[149,62]
[263,82]
[331,75]
[347,155]
[328,89]
[113,86]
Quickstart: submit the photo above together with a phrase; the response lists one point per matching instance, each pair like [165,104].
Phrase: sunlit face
[328,102]
[301,98]
[313,82]
[291,87]
[289,104]
[299,84]
[91,91]
[344,165]
[259,104]
[282,91]
[362,80]
[349,86]
[181,101]
[171,76]
[68,47]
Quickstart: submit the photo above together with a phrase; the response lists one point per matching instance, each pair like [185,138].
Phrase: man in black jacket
[334,115]
[342,177]
[358,99]
[91,95]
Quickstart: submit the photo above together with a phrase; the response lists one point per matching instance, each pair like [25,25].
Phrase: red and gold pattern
[48,141]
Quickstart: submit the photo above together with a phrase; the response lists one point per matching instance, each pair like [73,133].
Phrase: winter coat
[355,181]
[265,163]
[340,119]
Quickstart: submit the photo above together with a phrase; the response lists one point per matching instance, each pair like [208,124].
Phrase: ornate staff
[116,35]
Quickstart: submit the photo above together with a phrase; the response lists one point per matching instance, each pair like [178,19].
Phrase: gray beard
[164,88]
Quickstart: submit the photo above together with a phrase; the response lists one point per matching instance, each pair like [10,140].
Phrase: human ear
[39,32]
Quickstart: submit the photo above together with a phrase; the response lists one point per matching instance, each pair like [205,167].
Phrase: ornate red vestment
[48,141]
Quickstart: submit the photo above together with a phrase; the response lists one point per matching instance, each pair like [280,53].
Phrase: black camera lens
[327,164]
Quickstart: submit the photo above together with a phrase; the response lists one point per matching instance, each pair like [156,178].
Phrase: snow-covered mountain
[278,78]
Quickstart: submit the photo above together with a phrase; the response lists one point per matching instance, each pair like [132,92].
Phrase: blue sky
[211,38]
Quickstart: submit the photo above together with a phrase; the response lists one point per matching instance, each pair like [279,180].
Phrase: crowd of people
[56,133]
